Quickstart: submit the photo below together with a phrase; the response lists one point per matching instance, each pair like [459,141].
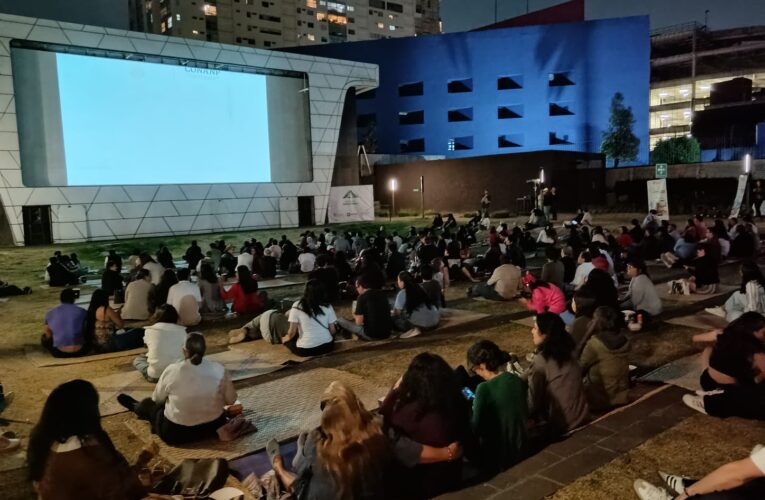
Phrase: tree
[677,150]
[619,143]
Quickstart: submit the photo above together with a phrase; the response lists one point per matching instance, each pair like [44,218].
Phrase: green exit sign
[661,170]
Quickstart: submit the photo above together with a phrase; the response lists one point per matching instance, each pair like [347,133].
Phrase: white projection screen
[112,120]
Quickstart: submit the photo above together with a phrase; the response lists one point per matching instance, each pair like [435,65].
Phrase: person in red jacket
[244,293]
[545,297]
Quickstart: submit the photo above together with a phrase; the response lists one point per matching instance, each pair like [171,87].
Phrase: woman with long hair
[500,408]
[413,310]
[71,456]
[583,304]
[243,293]
[556,393]
[105,327]
[641,295]
[345,458]
[167,280]
[212,302]
[426,412]
[165,258]
[545,297]
[604,361]
[312,322]
[749,297]
[188,401]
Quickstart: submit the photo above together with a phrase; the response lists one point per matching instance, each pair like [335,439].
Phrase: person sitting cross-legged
[164,340]
[139,297]
[186,298]
[64,334]
[105,327]
[504,283]
[189,399]
[371,316]
[412,310]
[312,323]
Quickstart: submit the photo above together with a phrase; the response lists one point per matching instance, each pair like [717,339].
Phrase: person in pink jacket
[545,297]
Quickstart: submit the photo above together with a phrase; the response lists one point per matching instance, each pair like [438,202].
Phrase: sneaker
[717,311]
[703,393]
[695,402]
[127,401]
[414,332]
[647,491]
[9,444]
[757,448]
[676,483]
[272,450]
[237,336]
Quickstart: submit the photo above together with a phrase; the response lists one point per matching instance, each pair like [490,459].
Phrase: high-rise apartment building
[285,23]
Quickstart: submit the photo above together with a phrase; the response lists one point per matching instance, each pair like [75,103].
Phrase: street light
[541,176]
[393,186]
[747,164]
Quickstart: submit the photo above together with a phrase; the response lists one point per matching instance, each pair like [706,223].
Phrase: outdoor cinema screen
[91,121]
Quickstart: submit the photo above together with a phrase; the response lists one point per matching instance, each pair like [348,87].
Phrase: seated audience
[602,287]
[327,274]
[583,268]
[641,295]
[165,258]
[167,280]
[64,334]
[553,271]
[684,250]
[557,401]
[71,456]
[413,311]
[8,290]
[306,261]
[58,275]
[188,402]
[115,257]
[245,258]
[342,266]
[604,361]
[750,297]
[371,314]
[569,264]
[270,326]
[427,410]
[186,298]
[155,268]
[105,327]
[500,411]
[344,458]
[504,283]
[545,297]
[267,264]
[243,293]
[212,304]
[583,304]
[312,323]
[704,270]
[740,480]
[111,279]
[165,340]
[139,297]
[743,243]
[193,255]
[733,382]
[431,286]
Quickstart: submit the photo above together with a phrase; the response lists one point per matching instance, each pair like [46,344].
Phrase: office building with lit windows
[509,90]
[285,23]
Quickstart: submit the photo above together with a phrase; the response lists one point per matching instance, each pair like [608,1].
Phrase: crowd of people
[491,412]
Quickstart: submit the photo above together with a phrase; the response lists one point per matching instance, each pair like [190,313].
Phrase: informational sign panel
[351,204]
[739,199]
[658,199]
[661,170]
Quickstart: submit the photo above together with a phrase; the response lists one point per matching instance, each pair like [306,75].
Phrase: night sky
[460,15]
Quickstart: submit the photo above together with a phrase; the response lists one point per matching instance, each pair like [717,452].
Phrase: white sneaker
[675,482]
[695,402]
[9,444]
[414,332]
[647,491]
[717,311]
[714,392]
[756,448]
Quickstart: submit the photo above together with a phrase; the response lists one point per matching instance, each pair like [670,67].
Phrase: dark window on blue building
[560,79]
[460,143]
[460,86]
[560,110]
[369,94]
[461,115]
[509,83]
[366,119]
[412,146]
[510,112]
[395,7]
[411,117]
[410,89]
[559,139]
[510,141]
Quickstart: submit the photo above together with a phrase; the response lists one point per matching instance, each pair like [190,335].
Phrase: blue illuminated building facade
[546,87]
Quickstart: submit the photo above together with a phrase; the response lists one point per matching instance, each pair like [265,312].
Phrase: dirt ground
[21,320]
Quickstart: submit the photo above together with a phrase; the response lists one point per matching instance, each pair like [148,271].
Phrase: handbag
[194,477]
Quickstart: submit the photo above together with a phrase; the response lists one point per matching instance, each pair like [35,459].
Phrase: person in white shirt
[276,250]
[186,298]
[742,479]
[582,270]
[165,340]
[188,402]
[307,261]
[547,236]
[312,323]
[245,258]
[155,268]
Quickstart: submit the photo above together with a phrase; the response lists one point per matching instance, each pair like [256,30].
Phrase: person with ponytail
[500,410]
[556,392]
[71,456]
[244,293]
[187,404]
[413,310]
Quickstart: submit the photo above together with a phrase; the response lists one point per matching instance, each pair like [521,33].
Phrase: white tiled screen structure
[125,211]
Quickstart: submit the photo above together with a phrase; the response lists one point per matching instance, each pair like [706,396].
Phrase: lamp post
[393,186]
[748,172]
[541,176]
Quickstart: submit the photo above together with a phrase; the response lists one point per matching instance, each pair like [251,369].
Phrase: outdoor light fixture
[541,176]
[393,186]
[747,163]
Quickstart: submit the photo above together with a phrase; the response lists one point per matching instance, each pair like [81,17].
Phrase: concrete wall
[113,212]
